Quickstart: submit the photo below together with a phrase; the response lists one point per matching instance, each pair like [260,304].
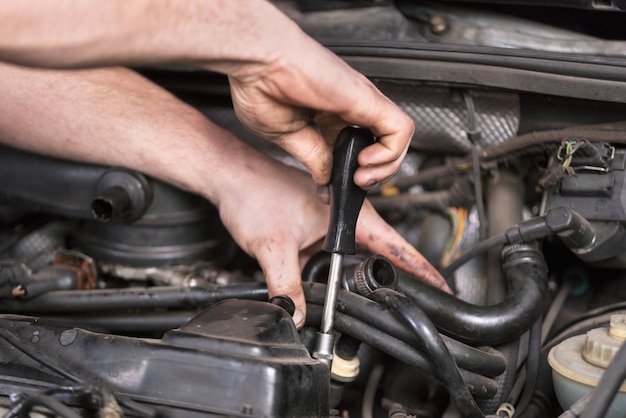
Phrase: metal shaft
[330,303]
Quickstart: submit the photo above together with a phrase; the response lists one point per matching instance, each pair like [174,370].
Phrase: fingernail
[298,318]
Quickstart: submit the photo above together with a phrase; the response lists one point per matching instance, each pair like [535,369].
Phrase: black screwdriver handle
[346,198]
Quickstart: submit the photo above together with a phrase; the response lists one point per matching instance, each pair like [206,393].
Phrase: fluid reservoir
[578,363]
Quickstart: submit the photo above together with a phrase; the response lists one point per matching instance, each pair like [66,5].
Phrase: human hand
[280,77]
[289,99]
[281,221]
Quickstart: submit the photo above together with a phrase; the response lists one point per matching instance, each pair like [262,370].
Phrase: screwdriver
[346,199]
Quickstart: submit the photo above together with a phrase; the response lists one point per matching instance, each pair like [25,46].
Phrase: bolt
[67,337]
[438,25]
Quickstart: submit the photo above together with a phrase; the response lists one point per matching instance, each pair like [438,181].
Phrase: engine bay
[121,295]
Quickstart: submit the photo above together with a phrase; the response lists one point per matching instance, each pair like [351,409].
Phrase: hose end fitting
[515,254]
[373,273]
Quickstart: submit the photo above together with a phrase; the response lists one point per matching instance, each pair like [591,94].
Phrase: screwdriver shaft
[332,290]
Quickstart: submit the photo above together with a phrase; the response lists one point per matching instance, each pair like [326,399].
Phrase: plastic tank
[579,362]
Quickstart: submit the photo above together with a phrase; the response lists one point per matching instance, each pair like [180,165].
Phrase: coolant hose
[425,330]
[505,206]
[162,297]
[480,386]
[483,361]
[526,274]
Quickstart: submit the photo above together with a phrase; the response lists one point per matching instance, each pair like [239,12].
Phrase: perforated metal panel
[440,116]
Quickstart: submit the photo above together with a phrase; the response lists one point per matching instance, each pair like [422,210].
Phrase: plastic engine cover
[236,358]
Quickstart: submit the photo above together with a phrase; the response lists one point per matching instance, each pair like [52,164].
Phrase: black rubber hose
[572,228]
[505,200]
[23,409]
[184,298]
[526,275]
[487,362]
[128,323]
[532,366]
[165,297]
[425,330]
[479,386]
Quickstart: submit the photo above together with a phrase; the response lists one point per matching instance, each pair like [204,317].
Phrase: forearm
[116,117]
[70,33]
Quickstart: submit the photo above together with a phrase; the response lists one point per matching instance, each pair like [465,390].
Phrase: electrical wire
[479,248]
[46,362]
[555,308]
[452,249]
[37,356]
[473,135]
[369,396]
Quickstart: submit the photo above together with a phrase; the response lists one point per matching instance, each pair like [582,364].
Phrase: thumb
[281,268]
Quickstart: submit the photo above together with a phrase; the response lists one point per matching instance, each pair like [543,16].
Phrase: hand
[281,99]
[280,221]
[280,77]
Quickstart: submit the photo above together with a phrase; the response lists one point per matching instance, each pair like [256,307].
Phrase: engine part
[373,273]
[248,353]
[122,196]
[440,116]
[592,183]
[423,328]
[158,224]
[40,184]
[379,321]
[178,228]
[525,270]
[579,362]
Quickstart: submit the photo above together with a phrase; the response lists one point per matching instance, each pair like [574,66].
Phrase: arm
[279,76]
[116,117]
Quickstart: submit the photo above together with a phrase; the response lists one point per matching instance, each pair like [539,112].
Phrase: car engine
[121,295]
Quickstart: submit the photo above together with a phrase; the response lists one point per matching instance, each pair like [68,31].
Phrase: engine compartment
[121,295]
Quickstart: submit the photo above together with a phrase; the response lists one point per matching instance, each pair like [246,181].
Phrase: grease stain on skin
[393,250]
[422,269]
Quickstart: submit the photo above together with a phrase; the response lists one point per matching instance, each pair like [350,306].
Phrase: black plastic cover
[237,358]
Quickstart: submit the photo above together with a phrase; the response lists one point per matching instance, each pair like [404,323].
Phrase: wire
[473,135]
[458,218]
[45,361]
[22,409]
[37,356]
[569,146]
[369,396]
[555,309]
[479,248]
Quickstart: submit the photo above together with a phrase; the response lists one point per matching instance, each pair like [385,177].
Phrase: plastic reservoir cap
[579,362]
[602,344]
